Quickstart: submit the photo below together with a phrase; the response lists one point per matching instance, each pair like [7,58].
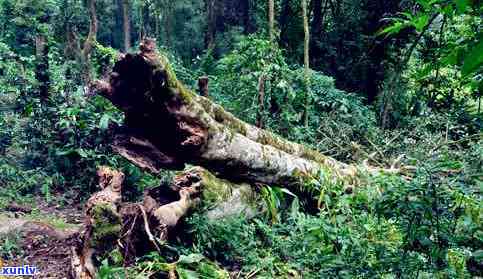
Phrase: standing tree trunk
[284,20]
[42,65]
[126,25]
[248,26]
[271,19]
[157,23]
[306,62]
[203,86]
[261,101]
[146,19]
[168,8]
[89,42]
[210,23]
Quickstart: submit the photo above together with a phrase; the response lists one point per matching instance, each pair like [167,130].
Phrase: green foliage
[448,67]
[55,145]
[426,225]
[23,20]
[10,247]
[191,266]
[390,228]
[335,117]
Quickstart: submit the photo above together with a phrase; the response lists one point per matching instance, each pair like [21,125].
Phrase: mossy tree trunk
[135,229]
[184,128]
[89,43]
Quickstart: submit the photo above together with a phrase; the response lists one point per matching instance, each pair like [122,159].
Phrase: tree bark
[203,86]
[102,225]
[306,62]
[184,128]
[126,25]
[284,21]
[136,229]
[261,101]
[271,19]
[319,9]
[42,65]
[210,23]
[89,42]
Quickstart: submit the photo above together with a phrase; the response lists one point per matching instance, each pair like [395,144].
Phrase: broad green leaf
[451,58]
[393,29]
[187,274]
[420,22]
[82,152]
[191,258]
[104,122]
[473,59]
[461,5]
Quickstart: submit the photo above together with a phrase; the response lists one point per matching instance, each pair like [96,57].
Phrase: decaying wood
[168,127]
[190,129]
[203,86]
[138,228]
[102,225]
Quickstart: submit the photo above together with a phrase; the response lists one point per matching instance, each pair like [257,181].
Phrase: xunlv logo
[25,270]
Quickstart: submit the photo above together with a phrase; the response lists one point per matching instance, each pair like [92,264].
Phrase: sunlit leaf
[420,22]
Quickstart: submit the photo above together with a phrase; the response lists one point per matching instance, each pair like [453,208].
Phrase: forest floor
[41,236]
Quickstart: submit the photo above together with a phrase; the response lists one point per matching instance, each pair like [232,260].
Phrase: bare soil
[41,243]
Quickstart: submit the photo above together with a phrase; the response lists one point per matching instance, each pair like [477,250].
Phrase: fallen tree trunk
[172,126]
[135,229]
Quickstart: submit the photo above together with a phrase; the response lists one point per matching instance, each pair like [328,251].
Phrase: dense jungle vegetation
[391,84]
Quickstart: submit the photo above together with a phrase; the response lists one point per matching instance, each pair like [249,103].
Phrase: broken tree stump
[102,225]
[135,229]
[203,86]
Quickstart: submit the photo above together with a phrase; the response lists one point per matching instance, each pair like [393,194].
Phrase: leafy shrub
[336,117]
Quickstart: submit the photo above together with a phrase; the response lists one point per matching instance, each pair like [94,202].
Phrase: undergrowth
[426,225]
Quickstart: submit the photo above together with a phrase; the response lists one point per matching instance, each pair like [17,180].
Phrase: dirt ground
[43,239]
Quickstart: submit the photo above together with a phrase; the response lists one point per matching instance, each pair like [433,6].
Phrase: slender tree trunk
[271,19]
[386,106]
[247,22]
[126,25]
[211,23]
[42,66]
[306,62]
[479,104]
[146,20]
[167,8]
[90,41]
[261,101]
[319,8]
[157,23]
